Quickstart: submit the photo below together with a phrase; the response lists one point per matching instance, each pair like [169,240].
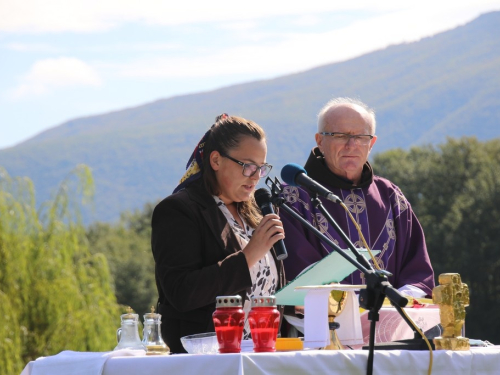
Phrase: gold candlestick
[452,296]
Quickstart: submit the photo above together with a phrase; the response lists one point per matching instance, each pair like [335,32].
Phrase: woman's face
[233,186]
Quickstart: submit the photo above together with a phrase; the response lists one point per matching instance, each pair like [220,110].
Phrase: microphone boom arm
[361,259]
[279,203]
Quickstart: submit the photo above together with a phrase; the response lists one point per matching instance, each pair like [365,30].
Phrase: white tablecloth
[75,363]
[391,325]
[476,361]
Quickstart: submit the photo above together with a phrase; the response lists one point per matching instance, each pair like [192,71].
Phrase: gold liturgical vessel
[336,303]
[452,296]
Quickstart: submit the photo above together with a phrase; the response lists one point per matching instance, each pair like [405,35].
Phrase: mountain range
[447,85]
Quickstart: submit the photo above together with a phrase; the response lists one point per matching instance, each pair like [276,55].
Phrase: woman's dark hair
[225,135]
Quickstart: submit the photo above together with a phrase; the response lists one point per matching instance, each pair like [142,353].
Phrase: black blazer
[197,258]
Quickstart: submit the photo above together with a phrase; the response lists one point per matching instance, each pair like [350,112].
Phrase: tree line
[63,286]
[454,189]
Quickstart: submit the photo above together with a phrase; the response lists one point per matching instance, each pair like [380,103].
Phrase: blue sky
[63,59]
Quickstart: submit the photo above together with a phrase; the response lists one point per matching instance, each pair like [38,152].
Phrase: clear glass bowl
[201,343]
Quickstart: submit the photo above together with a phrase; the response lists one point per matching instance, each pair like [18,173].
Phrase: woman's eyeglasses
[249,169]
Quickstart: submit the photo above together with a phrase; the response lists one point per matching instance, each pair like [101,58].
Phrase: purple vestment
[385,216]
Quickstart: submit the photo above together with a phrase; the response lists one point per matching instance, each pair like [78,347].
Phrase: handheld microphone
[263,199]
[293,174]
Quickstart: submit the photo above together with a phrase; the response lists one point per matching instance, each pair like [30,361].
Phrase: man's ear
[372,142]
[319,140]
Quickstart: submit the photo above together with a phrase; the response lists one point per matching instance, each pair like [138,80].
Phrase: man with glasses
[345,137]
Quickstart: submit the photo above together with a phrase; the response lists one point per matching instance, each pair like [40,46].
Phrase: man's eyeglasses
[249,169]
[359,139]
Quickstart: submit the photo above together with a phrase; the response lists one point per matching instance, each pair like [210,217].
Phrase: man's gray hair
[336,102]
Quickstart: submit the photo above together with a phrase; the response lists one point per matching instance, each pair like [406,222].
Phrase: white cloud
[238,26]
[133,47]
[30,47]
[300,51]
[48,75]
[36,16]
[307,20]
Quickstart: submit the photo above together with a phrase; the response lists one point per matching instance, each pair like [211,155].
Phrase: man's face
[346,158]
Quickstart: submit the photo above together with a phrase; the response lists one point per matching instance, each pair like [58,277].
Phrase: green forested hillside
[446,85]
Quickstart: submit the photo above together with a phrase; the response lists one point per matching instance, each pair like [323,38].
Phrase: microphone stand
[377,284]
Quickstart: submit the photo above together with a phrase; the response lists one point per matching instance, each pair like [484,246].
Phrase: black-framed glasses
[249,169]
[359,139]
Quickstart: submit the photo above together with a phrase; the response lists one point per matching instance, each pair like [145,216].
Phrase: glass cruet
[128,334]
[151,337]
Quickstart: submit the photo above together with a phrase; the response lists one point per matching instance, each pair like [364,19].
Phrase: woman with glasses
[209,238]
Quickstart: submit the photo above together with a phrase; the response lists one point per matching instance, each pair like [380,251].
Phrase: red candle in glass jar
[264,321]
[229,319]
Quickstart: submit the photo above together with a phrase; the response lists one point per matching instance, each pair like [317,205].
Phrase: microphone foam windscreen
[290,171]
[262,196]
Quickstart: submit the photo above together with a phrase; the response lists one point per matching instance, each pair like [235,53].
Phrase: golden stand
[452,296]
